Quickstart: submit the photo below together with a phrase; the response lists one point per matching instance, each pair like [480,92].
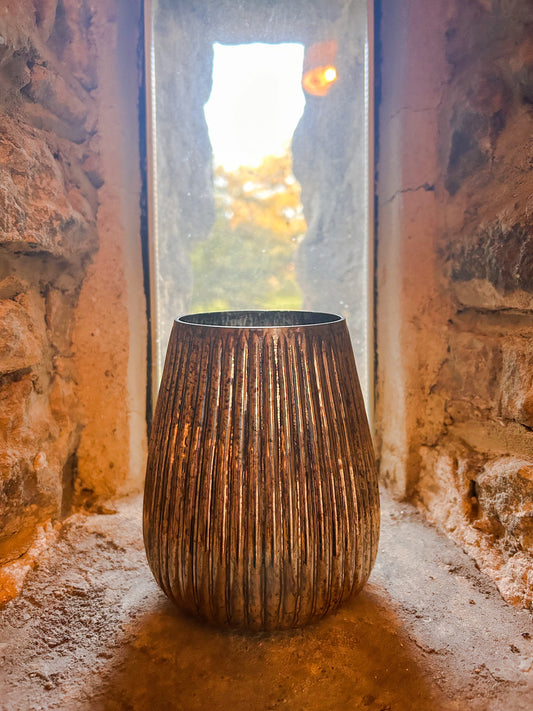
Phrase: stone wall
[455,275]
[455,272]
[61,209]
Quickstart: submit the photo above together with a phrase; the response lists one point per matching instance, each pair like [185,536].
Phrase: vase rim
[260,318]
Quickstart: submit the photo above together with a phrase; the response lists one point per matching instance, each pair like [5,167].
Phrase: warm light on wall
[319,71]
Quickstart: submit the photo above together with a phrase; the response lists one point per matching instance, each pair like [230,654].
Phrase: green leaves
[248,260]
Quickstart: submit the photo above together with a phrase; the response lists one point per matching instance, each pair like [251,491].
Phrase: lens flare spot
[318,81]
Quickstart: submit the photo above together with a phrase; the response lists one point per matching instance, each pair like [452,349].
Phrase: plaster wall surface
[455,275]
[72,317]
[110,331]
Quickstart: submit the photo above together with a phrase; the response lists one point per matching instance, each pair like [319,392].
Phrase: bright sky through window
[256,101]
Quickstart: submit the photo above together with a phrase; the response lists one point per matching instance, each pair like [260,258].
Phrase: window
[329,150]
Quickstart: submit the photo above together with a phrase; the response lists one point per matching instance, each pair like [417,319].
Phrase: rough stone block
[40,118]
[481,294]
[14,406]
[487,91]
[499,253]
[492,437]
[12,286]
[34,210]
[14,75]
[26,420]
[59,319]
[18,516]
[22,504]
[505,493]
[479,117]
[517,381]
[486,505]
[45,15]
[32,450]
[51,91]
[472,372]
[93,170]
[468,154]
[71,40]
[489,376]
[19,346]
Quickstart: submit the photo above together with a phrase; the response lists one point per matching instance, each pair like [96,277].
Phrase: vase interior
[260,319]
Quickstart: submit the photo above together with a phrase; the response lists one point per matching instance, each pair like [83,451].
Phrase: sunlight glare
[255,103]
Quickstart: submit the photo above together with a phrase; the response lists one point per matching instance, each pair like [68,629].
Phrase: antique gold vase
[261,505]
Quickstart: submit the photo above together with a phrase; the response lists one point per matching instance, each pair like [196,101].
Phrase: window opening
[330,152]
[249,258]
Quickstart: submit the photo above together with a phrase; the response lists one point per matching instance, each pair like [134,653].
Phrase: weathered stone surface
[72,40]
[12,286]
[472,371]
[50,90]
[486,88]
[467,154]
[486,505]
[15,398]
[35,209]
[477,317]
[482,294]
[40,118]
[48,208]
[59,319]
[489,376]
[19,347]
[93,170]
[45,16]
[505,493]
[493,437]
[517,381]
[502,255]
[25,425]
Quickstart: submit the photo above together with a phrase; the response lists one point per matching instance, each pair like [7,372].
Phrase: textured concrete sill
[91,630]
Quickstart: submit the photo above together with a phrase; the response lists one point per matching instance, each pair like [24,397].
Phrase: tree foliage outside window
[248,262]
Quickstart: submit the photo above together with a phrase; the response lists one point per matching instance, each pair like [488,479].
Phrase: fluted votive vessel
[261,505]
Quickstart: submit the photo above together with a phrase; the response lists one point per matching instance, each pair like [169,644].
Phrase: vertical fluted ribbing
[261,505]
